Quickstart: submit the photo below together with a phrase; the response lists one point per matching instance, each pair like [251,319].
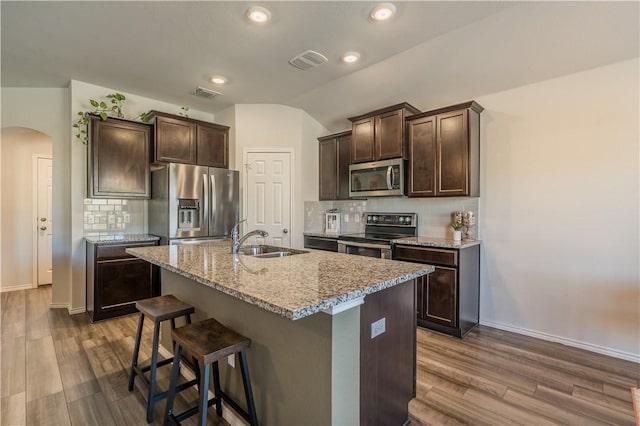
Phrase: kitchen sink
[269,251]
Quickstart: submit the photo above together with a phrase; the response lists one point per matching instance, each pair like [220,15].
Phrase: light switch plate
[378,327]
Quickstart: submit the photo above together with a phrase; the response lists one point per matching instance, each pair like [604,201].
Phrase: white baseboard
[228,413]
[16,288]
[59,306]
[75,311]
[628,356]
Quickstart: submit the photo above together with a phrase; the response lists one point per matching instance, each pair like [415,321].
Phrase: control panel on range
[391,219]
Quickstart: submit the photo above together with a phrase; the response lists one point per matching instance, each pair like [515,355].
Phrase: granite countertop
[121,238]
[436,242]
[293,286]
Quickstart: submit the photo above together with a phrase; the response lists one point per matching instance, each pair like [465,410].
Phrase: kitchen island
[313,357]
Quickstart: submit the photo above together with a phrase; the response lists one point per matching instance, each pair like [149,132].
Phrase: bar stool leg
[216,388]
[247,388]
[136,351]
[168,412]
[203,401]
[154,367]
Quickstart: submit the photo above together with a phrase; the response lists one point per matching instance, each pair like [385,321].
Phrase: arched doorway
[20,233]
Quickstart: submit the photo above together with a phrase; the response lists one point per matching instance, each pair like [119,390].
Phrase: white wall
[559,210]
[134,105]
[18,146]
[279,126]
[47,110]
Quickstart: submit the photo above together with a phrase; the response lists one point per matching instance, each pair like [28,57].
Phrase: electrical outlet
[377,328]
[231,360]
[346,218]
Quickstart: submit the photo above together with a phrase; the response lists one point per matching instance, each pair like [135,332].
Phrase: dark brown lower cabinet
[115,280]
[448,299]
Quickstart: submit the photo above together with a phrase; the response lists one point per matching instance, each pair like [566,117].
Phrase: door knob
[43,228]
[43,219]
[285,231]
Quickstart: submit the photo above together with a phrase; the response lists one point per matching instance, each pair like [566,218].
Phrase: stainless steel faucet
[237,241]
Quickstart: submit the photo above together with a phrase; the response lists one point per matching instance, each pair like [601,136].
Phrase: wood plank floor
[494,377]
[58,369]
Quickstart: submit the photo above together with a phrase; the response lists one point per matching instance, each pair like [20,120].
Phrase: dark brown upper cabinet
[444,151]
[379,135]
[118,159]
[212,148]
[335,157]
[175,139]
[184,140]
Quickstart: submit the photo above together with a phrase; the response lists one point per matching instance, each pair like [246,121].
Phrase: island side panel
[289,361]
[345,374]
[387,362]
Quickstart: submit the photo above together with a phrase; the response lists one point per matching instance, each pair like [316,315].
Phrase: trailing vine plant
[103,110]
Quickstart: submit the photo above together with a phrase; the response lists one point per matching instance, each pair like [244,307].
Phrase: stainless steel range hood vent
[307,60]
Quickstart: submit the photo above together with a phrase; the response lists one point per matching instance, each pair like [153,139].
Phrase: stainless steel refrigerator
[193,203]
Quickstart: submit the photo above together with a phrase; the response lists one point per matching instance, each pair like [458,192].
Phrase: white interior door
[44,221]
[268,202]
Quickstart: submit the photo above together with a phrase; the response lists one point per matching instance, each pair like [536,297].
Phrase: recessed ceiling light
[218,79]
[383,12]
[258,14]
[350,57]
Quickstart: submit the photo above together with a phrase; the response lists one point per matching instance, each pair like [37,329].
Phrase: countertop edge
[436,242]
[123,239]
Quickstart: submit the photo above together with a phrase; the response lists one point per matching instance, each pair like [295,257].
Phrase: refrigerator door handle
[204,216]
[214,201]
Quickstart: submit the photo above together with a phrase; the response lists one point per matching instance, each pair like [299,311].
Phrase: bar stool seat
[157,309]
[207,342]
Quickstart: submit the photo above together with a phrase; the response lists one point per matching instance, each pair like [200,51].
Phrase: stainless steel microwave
[378,179]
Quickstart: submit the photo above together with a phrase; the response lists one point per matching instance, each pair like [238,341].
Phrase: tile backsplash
[434,214]
[103,217]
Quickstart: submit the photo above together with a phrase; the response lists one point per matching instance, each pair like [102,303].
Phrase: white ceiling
[430,54]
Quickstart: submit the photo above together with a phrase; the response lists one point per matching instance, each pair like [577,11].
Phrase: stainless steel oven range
[380,229]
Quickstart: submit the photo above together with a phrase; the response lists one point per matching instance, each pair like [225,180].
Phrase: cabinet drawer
[426,255]
[117,251]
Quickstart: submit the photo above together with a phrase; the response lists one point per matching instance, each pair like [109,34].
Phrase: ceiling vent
[307,60]
[206,93]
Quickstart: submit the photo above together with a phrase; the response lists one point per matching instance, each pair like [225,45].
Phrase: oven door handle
[364,245]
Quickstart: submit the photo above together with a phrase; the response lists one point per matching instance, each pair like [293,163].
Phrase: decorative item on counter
[469,221]
[332,222]
[457,225]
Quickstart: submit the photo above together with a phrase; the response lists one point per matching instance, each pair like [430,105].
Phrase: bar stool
[207,342]
[157,309]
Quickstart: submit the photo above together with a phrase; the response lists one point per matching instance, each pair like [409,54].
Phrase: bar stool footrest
[226,398]
[176,418]
[148,367]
